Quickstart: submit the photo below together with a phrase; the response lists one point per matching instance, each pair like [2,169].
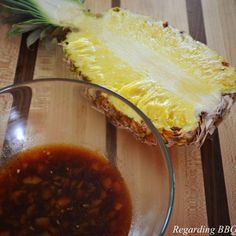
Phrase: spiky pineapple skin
[206,123]
[174,137]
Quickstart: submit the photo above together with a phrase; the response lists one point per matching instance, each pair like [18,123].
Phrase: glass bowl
[62,111]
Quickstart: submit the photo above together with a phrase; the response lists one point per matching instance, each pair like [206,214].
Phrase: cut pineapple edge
[184,87]
[169,76]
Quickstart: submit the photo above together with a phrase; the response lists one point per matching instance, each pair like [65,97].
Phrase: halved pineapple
[180,84]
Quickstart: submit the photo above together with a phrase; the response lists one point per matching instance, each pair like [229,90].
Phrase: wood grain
[18,115]
[50,62]
[9,49]
[190,207]
[162,10]
[21,98]
[195,20]
[115,3]
[98,6]
[220,26]
[215,191]
[26,61]
[5,107]
[214,181]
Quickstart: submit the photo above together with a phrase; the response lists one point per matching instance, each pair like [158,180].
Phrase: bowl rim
[139,112]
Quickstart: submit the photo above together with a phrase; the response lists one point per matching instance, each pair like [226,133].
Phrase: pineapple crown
[41,18]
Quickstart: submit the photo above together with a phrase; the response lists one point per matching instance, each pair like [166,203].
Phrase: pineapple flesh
[180,84]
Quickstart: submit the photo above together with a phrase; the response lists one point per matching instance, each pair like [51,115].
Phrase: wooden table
[206,178]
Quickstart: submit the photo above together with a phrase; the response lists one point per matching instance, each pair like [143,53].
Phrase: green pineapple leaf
[40,18]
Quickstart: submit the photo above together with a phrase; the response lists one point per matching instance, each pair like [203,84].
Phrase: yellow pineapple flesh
[169,76]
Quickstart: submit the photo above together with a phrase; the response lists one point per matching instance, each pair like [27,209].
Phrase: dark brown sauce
[62,191]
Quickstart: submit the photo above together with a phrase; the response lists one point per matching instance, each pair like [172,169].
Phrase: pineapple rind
[175,136]
[176,118]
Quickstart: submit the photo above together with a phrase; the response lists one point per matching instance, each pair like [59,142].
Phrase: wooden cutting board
[206,177]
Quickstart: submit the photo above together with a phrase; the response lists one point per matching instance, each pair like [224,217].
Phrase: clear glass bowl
[52,111]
